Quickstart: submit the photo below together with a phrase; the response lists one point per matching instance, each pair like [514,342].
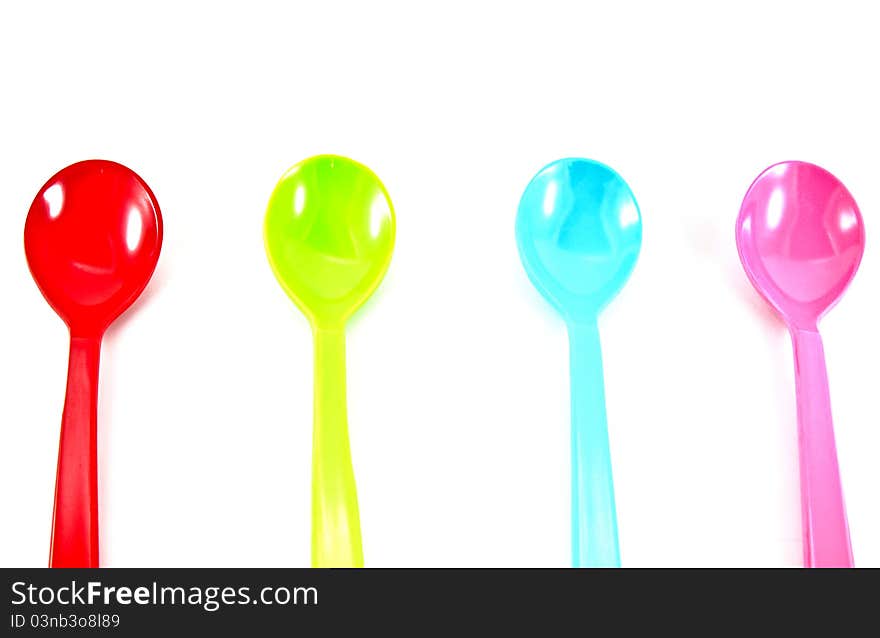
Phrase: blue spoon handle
[593,515]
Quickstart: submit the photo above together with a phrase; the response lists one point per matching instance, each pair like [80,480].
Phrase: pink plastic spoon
[800,239]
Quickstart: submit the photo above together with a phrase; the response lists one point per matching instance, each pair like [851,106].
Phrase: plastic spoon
[800,239]
[329,233]
[579,233]
[92,239]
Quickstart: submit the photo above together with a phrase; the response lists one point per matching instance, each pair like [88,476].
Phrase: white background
[458,370]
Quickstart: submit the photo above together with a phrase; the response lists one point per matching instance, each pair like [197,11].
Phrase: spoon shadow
[779,360]
[709,241]
[107,391]
[379,293]
[706,240]
[157,281]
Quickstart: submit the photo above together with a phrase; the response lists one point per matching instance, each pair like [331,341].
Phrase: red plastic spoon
[92,239]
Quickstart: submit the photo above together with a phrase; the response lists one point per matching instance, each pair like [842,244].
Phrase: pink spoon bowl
[800,238]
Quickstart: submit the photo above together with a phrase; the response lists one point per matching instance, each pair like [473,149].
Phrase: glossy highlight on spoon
[579,233]
[329,233]
[92,239]
[800,238]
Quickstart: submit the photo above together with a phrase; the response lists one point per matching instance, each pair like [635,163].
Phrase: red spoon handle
[75,521]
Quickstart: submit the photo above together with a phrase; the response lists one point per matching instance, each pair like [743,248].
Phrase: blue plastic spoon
[579,233]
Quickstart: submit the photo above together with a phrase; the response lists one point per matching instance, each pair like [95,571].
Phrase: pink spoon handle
[75,521]
[826,534]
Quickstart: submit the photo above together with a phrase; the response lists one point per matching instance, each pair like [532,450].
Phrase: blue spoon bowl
[579,233]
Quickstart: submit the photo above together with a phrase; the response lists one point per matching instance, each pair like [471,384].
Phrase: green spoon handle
[336,529]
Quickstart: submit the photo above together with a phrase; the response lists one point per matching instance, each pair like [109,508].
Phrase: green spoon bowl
[329,235]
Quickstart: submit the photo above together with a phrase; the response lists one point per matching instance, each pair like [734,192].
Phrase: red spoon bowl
[92,239]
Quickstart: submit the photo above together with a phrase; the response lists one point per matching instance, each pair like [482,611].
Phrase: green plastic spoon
[329,235]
